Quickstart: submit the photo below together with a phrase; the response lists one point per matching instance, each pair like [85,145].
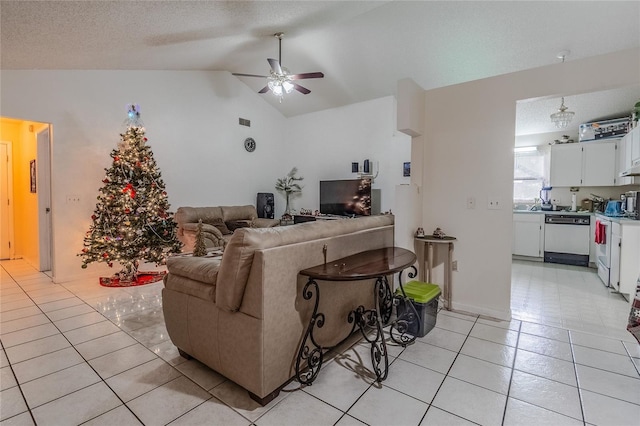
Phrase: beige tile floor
[78,353]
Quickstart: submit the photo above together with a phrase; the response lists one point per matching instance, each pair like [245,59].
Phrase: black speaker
[265,205]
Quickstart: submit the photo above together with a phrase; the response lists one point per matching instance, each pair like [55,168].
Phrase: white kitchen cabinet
[566,165]
[584,164]
[629,261]
[625,157]
[635,144]
[528,234]
[599,163]
[623,160]
[614,271]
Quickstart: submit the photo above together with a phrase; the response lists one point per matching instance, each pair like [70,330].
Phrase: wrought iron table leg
[367,319]
[400,327]
[385,299]
[310,351]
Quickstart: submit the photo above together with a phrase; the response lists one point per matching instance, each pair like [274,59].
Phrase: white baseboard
[479,310]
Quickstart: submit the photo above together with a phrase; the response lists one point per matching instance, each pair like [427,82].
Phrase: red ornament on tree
[129,188]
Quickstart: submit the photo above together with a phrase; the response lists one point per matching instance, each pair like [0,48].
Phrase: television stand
[301,218]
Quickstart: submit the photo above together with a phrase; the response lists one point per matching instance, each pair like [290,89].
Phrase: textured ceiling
[363,47]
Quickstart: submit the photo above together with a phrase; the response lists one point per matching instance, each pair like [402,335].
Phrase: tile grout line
[513,369]
[19,389]
[79,354]
[575,370]
[448,371]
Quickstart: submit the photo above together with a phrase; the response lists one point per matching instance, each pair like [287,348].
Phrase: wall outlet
[454,265]
[73,199]
[471,202]
[494,203]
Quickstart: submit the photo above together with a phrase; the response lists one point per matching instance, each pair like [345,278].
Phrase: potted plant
[289,185]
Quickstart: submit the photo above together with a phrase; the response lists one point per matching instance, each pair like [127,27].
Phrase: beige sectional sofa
[243,314]
[218,223]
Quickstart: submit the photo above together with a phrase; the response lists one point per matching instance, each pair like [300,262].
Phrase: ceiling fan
[280,80]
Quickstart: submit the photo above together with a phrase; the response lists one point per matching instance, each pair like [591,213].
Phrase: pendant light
[562,117]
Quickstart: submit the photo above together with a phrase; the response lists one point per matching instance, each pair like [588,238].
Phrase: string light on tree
[131,221]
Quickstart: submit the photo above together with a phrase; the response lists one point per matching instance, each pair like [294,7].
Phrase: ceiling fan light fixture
[287,86]
[279,84]
[562,118]
[280,80]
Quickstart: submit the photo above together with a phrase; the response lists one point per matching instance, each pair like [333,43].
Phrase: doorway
[26,229]
[43,170]
[6,200]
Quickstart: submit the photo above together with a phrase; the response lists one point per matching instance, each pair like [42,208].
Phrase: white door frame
[7,238]
[43,175]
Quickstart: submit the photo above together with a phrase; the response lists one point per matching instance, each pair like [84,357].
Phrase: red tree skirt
[142,279]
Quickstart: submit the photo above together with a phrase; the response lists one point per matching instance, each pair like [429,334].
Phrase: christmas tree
[131,221]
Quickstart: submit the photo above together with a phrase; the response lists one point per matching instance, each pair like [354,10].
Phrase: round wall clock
[250,144]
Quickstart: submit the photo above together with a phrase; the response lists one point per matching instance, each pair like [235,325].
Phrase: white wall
[468,152]
[324,144]
[192,126]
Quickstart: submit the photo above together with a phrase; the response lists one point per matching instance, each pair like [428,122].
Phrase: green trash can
[424,297]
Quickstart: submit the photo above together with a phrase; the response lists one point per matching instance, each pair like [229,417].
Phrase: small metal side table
[372,264]
[428,241]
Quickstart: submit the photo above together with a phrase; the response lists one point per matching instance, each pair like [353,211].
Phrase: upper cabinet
[628,154]
[566,165]
[634,140]
[584,164]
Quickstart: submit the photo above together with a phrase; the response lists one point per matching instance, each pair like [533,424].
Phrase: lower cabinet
[625,258]
[528,234]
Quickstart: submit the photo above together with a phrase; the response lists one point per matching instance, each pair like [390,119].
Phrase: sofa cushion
[203,269]
[193,214]
[237,224]
[204,291]
[221,226]
[247,212]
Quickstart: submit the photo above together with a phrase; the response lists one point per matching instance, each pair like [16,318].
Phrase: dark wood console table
[373,264]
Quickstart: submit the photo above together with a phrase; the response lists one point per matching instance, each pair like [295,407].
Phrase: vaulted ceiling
[362,47]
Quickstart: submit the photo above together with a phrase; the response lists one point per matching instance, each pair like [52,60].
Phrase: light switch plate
[471,202]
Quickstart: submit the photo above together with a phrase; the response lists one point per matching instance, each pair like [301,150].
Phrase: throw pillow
[237,224]
[222,227]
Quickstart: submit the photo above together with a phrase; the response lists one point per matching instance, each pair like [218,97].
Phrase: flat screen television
[345,197]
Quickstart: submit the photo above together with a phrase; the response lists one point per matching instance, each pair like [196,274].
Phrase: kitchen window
[529,173]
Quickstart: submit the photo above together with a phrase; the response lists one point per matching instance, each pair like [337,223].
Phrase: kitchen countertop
[599,215]
[621,220]
[585,212]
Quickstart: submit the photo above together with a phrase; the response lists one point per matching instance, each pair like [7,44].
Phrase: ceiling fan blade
[275,65]
[306,75]
[301,89]
[265,89]
[248,75]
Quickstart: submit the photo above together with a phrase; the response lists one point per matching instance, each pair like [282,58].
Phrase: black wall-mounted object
[365,167]
[265,205]
[355,167]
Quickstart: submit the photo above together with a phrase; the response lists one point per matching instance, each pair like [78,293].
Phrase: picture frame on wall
[32,176]
[406,169]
